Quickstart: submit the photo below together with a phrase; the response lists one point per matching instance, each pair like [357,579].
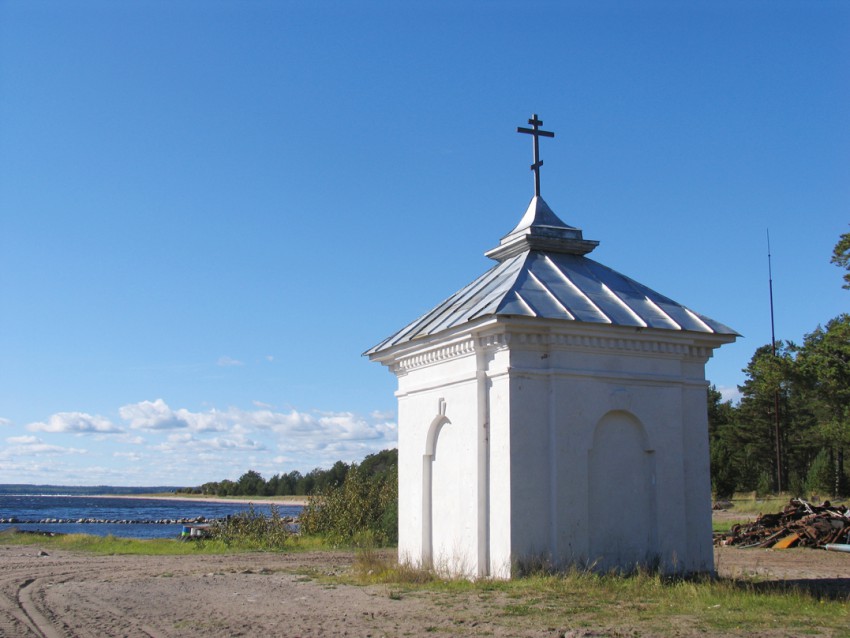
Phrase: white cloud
[156,415]
[152,415]
[227,362]
[212,421]
[130,456]
[192,447]
[26,470]
[182,438]
[22,446]
[291,422]
[5,421]
[345,425]
[239,443]
[44,448]
[70,422]
[728,393]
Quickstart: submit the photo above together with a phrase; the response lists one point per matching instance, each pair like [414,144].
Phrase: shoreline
[240,500]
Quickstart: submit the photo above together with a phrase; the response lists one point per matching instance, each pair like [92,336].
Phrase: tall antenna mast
[770,281]
[775,390]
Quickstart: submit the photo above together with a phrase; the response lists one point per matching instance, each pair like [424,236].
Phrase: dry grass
[750,503]
[643,602]
[106,545]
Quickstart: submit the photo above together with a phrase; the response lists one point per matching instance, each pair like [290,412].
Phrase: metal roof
[543,272]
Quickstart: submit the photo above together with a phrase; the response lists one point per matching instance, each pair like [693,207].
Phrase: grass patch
[751,503]
[114,545]
[107,545]
[644,602]
[760,505]
[724,526]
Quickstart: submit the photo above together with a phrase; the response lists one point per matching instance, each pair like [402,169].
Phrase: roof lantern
[540,228]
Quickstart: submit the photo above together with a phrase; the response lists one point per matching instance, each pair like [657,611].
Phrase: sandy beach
[264,500]
[57,594]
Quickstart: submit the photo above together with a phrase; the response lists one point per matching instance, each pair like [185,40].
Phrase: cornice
[500,335]
[440,354]
[631,345]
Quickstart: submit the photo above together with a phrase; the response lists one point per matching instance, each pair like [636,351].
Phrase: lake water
[140,515]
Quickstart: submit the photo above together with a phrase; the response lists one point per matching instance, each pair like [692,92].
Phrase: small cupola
[540,228]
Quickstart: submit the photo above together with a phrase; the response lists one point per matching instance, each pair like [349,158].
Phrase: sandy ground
[64,594]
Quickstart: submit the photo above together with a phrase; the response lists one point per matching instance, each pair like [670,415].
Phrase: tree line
[791,429]
[252,483]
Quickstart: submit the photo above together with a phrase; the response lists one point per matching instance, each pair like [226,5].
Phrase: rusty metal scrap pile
[800,524]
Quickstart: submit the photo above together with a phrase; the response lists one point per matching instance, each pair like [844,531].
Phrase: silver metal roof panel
[533,279]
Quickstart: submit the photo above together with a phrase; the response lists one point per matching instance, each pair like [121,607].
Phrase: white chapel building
[553,410]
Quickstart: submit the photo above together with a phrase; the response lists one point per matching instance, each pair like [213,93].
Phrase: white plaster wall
[454,489]
[511,468]
[558,396]
[410,447]
[500,551]
[532,483]
[453,466]
[697,480]
[622,499]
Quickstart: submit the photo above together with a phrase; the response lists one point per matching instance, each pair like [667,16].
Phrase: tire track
[11,625]
[35,612]
[13,620]
[24,609]
[96,618]
[37,621]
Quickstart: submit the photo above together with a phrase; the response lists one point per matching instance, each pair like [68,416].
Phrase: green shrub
[724,479]
[252,530]
[796,484]
[765,484]
[362,504]
[820,478]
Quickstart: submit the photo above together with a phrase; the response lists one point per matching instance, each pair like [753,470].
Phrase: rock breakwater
[64,521]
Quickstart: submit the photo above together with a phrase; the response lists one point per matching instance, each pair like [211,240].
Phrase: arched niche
[622,495]
[428,483]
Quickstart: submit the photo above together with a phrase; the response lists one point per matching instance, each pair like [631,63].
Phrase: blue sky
[209,210]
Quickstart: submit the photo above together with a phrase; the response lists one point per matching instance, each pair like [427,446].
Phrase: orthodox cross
[535,132]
